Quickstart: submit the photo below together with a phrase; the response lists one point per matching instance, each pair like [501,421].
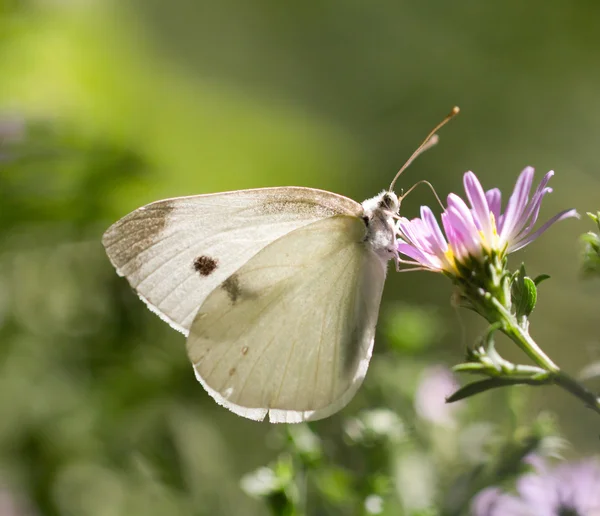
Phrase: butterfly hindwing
[291,332]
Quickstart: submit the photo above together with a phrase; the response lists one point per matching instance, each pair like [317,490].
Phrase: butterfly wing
[176,251]
[291,332]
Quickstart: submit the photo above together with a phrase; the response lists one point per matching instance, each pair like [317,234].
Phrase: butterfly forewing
[175,252]
[291,332]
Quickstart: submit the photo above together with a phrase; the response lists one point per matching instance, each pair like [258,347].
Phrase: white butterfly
[276,289]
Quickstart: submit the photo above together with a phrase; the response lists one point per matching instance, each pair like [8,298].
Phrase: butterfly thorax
[379,213]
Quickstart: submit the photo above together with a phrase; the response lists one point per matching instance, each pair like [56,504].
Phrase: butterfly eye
[387,202]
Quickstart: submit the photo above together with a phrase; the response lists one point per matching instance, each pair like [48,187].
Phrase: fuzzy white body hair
[379,213]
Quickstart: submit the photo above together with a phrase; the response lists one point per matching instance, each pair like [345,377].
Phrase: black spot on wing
[232,286]
[205,265]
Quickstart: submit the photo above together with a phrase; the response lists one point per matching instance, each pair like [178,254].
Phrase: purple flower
[567,490]
[482,228]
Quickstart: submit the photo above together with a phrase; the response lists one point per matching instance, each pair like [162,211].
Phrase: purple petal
[536,205]
[515,246]
[536,201]
[414,233]
[465,231]
[478,200]
[493,502]
[585,478]
[436,233]
[405,228]
[516,204]
[459,206]
[532,212]
[486,501]
[427,260]
[454,239]
[538,491]
[494,199]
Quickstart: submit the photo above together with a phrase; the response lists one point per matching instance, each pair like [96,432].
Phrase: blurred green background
[108,105]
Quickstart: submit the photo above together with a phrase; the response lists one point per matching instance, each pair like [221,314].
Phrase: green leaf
[542,277]
[524,293]
[471,389]
[591,249]
[528,297]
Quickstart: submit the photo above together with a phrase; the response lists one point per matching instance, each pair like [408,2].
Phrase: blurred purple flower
[567,490]
[12,130]
[435,385]
[13,505]
[478,230]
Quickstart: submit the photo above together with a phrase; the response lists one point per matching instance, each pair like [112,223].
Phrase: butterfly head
[389,203]
[384,205]
[379,213]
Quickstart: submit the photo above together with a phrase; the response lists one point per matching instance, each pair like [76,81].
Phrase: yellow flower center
[450,254]
[451,259]
[494,240]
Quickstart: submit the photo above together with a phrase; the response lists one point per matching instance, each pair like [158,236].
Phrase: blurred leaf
[591,248]
[336,485]
[375,425]
[305,443]
[590,371]
[410,329]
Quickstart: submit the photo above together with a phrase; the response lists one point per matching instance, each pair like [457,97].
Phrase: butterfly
[277,289]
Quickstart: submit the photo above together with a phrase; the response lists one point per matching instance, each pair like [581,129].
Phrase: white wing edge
[294,416]
[155,310]
[160,314]
[266,189]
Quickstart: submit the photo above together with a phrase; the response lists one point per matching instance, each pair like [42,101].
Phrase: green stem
[521,337]
[577,389]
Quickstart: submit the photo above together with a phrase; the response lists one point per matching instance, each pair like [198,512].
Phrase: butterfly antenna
[429,142]
[423,182]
